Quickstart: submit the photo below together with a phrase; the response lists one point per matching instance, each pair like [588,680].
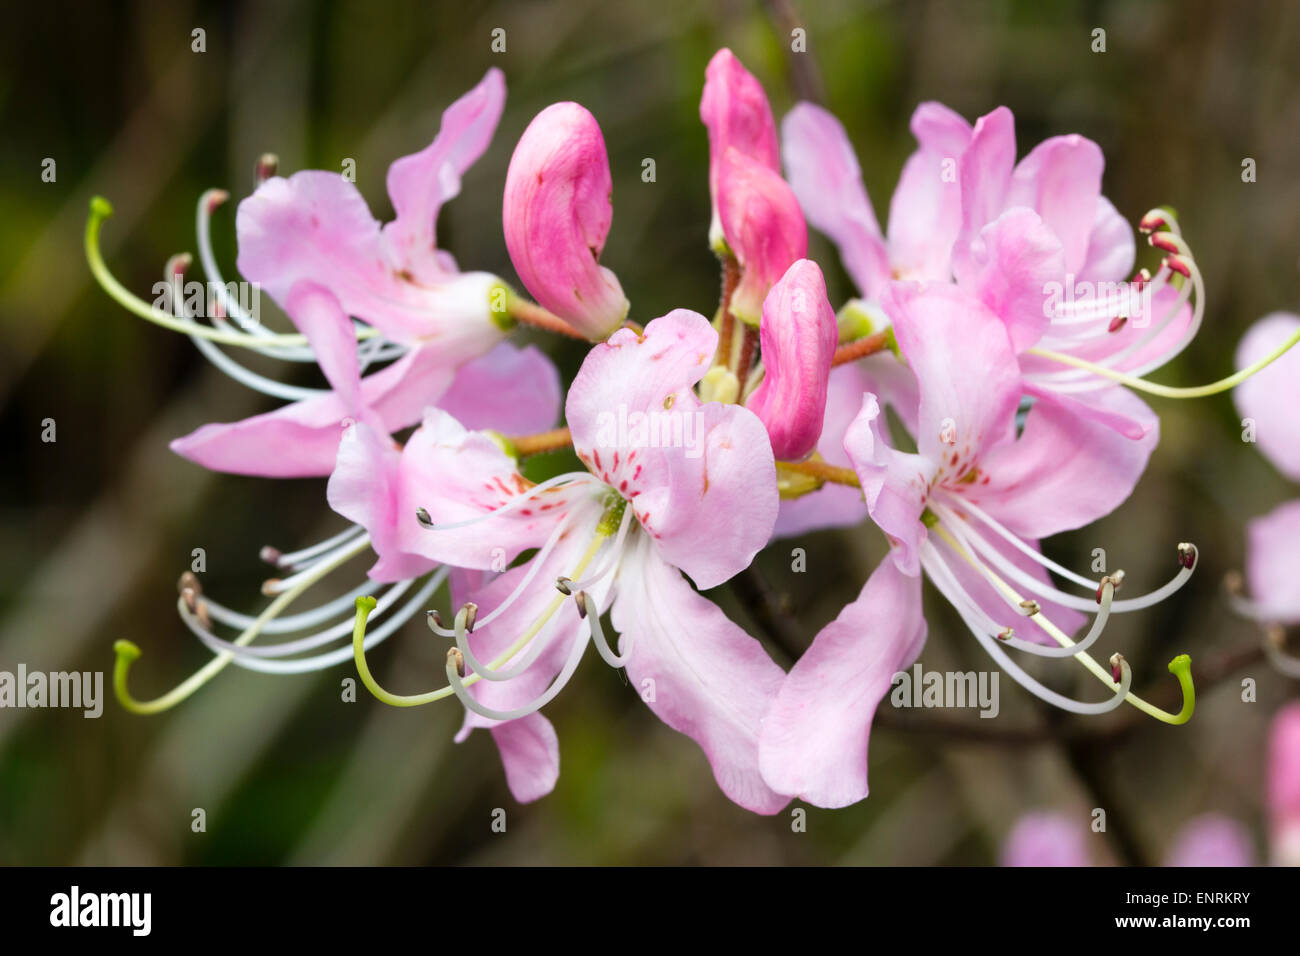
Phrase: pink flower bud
[556,214]
[736,113]
[797,338]
[1284,785]
[763,225]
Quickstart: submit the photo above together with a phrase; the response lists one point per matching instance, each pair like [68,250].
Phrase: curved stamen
[291,560]
[340,654]
[587,609]
[294,622]
[457,682]
[1044,589]
[366,604]
[1186,566]
[534,566]
[1094,632]
[101,209]
[1169,391]
[128,653]
[1180,666]
[173,273]
[311,642]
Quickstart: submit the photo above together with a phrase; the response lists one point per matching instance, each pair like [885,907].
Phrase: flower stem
[556,438]
[530,313]
[867,345]
[819,469]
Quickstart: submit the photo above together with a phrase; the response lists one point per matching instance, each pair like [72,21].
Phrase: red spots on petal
[596,457]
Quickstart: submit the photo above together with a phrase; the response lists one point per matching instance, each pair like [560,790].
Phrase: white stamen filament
[534,566]
[458,686]
[295,559]
[289,648]
[330,658]
[946,580]
[974,541]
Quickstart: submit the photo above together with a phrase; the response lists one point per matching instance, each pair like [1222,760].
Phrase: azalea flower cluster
[999,321]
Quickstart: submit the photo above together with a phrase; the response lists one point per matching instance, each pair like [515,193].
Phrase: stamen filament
[1180,666]
[338,655]
[101,209]
[127,652]
[366,604]
[1169,391]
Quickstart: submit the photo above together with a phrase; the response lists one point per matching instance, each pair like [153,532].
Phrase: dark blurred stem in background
[805,80]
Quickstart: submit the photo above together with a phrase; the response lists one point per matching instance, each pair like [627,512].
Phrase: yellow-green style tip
[366,603]
[126,651]
[100,207]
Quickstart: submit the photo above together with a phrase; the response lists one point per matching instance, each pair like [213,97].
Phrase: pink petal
[798,335]
[925,210]
[833,505]
[455,475]
[1060,179]
[366,487]
[701,674]
[985,176]
[824,175]
[1064,472]
[556,214]
[1111,246]
[419,184]
[1011,262]
[1273,562]
[968,374]
[1212,840]
[299,439]
[895,484]
[1283,793]
[764,228]
[1269,397]
[1047,839]
[511,390]
[700,478]
[815,737]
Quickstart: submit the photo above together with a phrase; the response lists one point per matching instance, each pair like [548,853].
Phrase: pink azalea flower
[1212,840]
[314,230]
[967,508]
[557,213]
[674,485]
[1034,241]
[1055,839]
[1047,839]
[1266,402]
[1283,791]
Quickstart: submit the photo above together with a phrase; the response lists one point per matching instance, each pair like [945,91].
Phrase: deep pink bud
[1284,785]
[797,339]
[763,225]
[556,215]
[736,113]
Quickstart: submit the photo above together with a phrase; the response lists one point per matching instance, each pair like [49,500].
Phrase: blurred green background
[96,527]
